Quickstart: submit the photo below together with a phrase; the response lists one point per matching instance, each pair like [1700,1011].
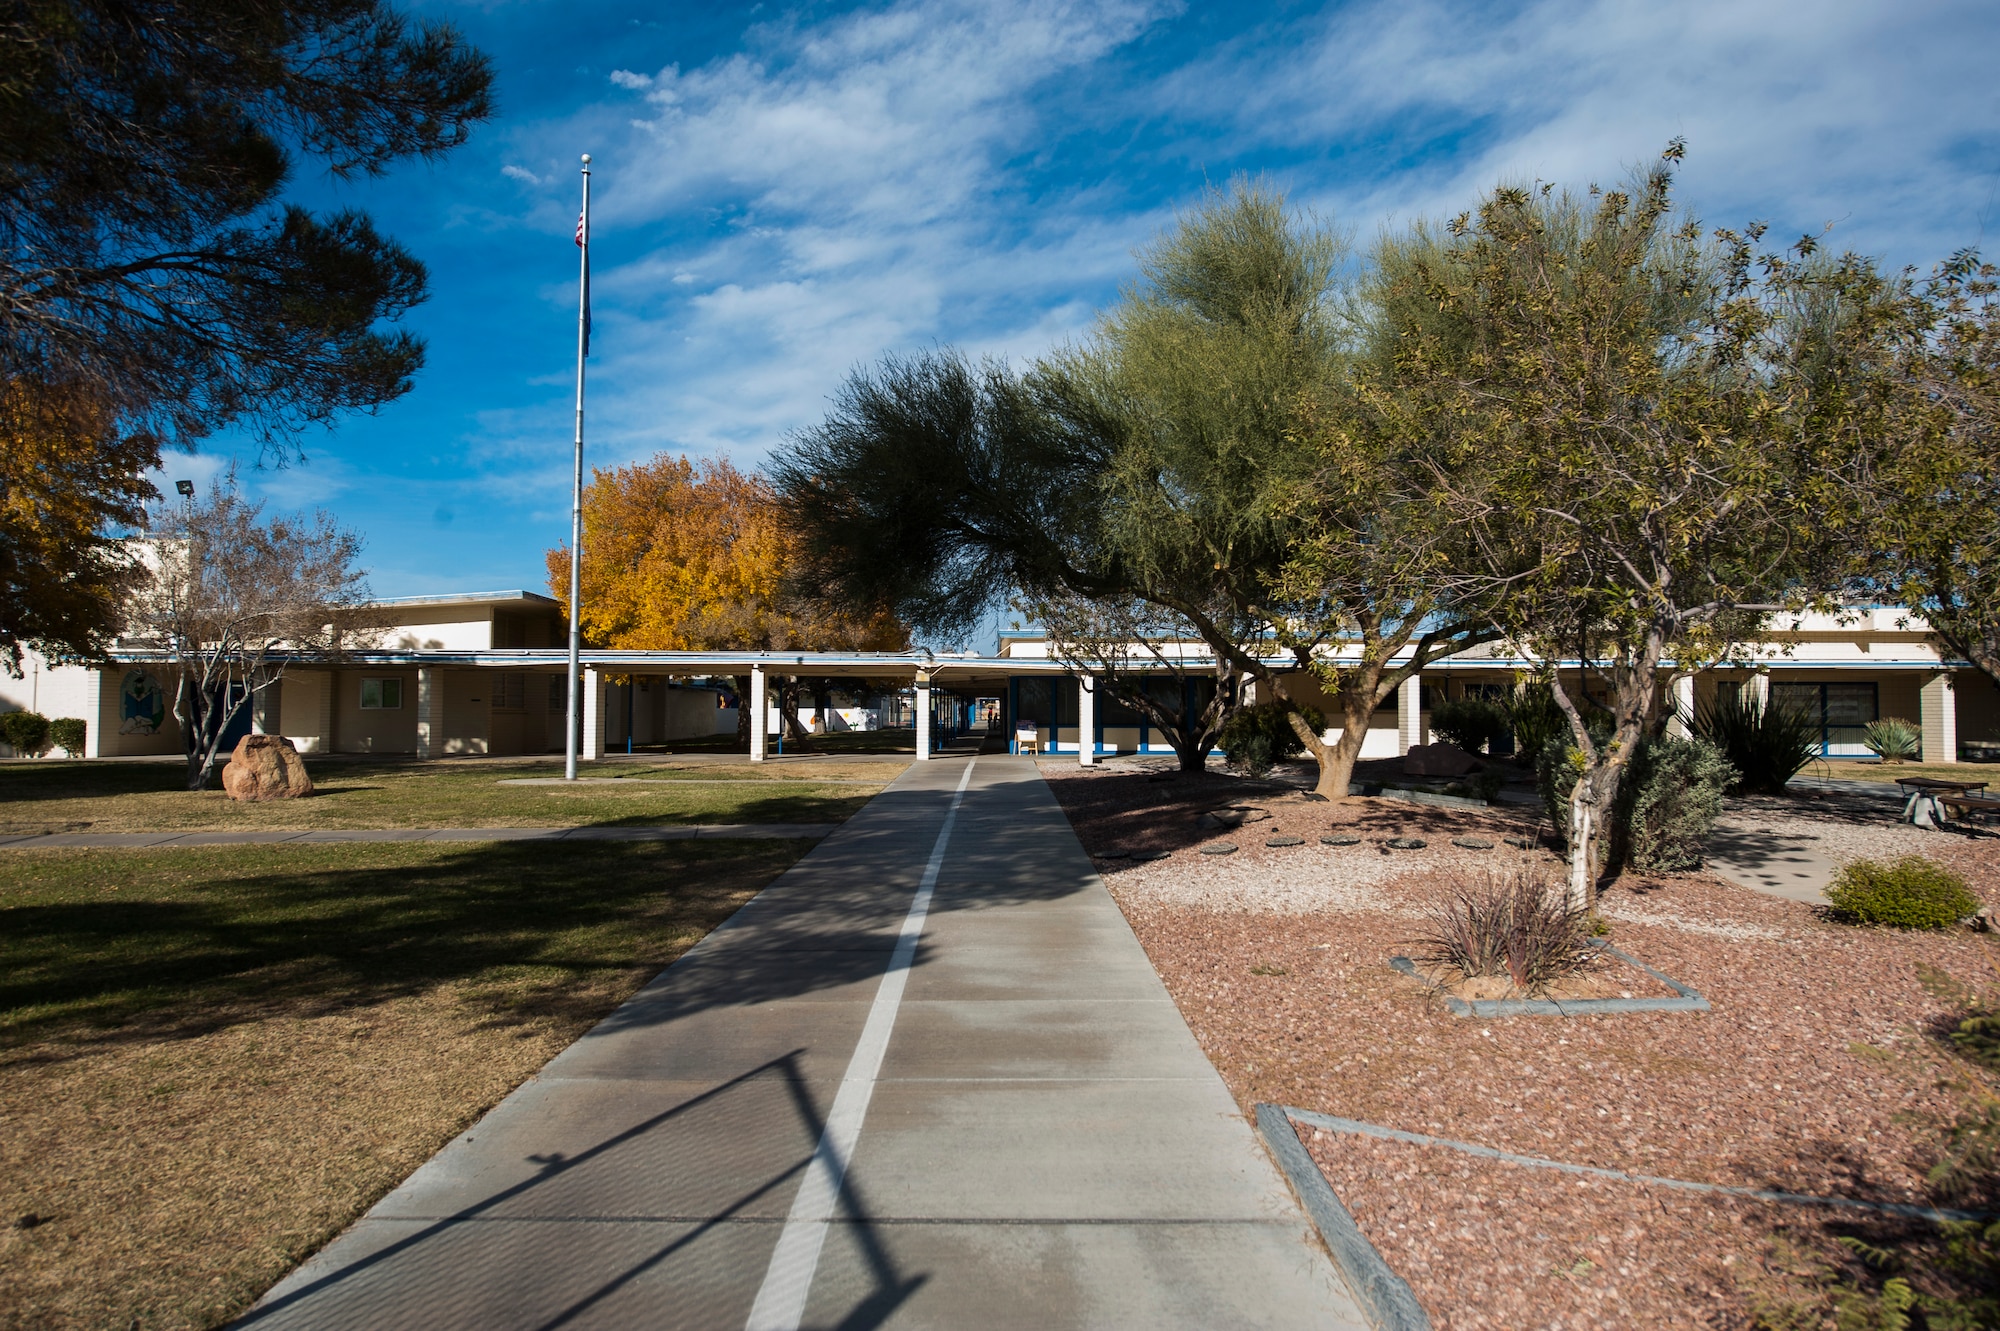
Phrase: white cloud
[878,182]
[1861,114]
[522,174]
[853,169]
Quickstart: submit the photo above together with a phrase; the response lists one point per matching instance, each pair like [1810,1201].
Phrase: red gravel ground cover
[1820,1069]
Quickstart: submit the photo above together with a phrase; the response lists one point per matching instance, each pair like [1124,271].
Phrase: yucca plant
[1893,739]
[1766,745]
[1519,925]
[1535,718]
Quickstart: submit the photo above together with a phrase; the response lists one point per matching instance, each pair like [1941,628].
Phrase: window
[512,691]
[559,694]
[1841,711]
[381,695]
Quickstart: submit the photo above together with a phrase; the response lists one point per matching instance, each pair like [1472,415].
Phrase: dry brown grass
[147,797]
[216,1060]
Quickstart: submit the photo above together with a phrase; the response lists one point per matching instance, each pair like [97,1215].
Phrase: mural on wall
[142,704]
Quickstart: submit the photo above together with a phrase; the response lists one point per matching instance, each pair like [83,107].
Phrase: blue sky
[782,193]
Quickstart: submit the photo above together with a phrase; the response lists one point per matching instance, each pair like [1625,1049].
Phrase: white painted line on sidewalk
[781,1299]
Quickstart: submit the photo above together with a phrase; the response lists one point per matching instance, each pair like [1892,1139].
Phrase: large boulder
[1438,760]
[266,767]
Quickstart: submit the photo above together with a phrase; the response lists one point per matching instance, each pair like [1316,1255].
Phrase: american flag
[580,240]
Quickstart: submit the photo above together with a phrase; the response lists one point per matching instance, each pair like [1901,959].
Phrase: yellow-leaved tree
[69,480]
[684,555]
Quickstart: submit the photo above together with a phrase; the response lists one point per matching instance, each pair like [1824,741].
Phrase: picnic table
[1971,805]
[1928,797]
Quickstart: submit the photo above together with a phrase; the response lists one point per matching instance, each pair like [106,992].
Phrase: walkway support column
[1937,705]
[1683,718]
[592,748]
[758,719]
[1086,721]
[430,711]
[923,718]
[1409,714]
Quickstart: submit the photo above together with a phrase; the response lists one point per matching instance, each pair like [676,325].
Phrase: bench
[1970,806]
[1923,806]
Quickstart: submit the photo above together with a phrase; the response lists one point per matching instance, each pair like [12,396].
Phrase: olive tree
[1664,429]
[1937,524]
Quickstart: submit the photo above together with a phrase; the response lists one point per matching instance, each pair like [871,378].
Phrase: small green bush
[68,733]
[1667,803]
[1470,723]
[1910,893]
[1892,739]
[27,733]
[1258,736]
[1676,789]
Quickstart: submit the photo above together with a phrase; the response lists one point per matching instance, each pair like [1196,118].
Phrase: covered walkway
[927,1078]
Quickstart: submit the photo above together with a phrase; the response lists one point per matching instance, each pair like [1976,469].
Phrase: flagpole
[576,487]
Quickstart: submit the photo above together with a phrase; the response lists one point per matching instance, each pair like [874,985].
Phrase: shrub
[1519,925]
[1258,736]
[27,733]
[1893,739]
[1766,745]
[1535,719]
[1910,893]
[1667,803]
[68,732]
[1470,723]
[1670,801]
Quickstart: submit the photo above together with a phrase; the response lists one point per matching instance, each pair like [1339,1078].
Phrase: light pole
[576,489]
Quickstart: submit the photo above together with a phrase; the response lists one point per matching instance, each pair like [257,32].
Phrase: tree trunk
[1336,760]
[1591,806]
[742,683]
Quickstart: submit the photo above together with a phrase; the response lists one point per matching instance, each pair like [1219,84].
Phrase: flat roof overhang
[949,672]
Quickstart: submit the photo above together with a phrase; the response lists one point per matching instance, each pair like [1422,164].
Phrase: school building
[486,674]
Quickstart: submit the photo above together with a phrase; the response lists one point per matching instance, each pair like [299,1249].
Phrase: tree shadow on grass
[246,933]
[140,945]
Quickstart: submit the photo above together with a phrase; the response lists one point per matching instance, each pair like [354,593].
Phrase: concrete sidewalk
[325,836]
[1042,1143]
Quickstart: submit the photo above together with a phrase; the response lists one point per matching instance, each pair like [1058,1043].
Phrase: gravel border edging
[1356,1128]
[1686,999]
[1385,1298]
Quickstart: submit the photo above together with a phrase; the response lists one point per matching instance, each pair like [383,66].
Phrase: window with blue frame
[1842,712]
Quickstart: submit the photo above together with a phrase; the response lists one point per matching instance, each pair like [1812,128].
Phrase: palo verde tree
[1250,475]
[1662,428]
[234,601]
[939,488]
[152,275]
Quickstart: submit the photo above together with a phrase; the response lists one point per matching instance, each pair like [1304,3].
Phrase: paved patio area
[926,1079]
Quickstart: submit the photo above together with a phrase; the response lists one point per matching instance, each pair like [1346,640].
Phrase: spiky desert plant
[1892,739]
[1516,924]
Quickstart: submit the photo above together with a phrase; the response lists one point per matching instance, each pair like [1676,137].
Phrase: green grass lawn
[1888,772]
[211,1060]
[146,797]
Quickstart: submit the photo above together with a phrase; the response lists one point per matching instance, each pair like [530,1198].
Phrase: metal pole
[576,489]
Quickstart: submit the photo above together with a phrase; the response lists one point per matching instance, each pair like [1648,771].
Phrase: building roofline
[467,598]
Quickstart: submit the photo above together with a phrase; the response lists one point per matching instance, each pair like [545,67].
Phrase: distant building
[485,673]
